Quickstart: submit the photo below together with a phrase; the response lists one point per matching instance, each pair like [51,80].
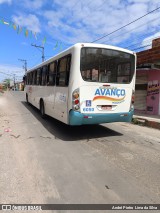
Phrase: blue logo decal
[88,103]
[110,92]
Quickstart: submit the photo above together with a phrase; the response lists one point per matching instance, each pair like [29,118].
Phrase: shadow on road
[71,133]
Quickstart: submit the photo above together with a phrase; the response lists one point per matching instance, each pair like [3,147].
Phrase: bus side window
[52,73]
[39,77]
[63,71]
[44,72]
[68,69]
[30,78]
[35,78]
[32,81]
[47,75]
[27,79]
[28,75]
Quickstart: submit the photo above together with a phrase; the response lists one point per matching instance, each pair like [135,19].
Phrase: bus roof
[79,45]
[103,46]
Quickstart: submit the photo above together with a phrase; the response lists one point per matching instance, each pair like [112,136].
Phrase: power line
[146,41]
[150,35]
[126,25]
[6,74]
[147,45]
[132,30]
[142,47]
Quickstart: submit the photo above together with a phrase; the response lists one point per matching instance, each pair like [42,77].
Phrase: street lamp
[41,47]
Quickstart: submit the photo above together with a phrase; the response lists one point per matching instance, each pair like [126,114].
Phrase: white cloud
[5,1]
[30,21]
[148,40]
[85,21]
[32,4]
[8,70]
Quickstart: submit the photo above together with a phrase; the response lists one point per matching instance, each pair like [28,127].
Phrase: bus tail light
[75,100]
[75,95]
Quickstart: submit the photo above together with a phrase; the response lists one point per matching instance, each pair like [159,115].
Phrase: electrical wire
[126,25]
[147,36]
[6,73]
[142,47]
[131,30]
[141,42]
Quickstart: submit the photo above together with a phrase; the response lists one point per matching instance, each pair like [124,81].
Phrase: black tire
[42,109]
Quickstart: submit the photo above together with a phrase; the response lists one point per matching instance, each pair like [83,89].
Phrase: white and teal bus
[85,84]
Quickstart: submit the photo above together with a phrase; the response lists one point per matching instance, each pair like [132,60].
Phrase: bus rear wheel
[42,109]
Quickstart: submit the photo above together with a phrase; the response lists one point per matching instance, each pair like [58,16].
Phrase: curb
[153,124]
[145,122]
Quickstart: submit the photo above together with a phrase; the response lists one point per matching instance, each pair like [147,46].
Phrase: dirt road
[45,161]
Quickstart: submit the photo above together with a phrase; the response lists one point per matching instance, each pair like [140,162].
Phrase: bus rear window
[106,65]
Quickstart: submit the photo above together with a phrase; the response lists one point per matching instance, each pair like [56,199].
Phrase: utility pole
[41,47]
[25,64]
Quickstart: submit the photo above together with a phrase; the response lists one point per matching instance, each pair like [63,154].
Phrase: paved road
[45,161]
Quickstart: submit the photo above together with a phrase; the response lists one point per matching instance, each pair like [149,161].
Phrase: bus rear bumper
[77,118]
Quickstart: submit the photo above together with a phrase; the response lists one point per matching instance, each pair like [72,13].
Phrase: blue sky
[64,23]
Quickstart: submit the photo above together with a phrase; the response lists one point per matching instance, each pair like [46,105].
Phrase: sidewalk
[152,121]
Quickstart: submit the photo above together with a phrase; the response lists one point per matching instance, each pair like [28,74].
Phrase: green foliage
[137,121]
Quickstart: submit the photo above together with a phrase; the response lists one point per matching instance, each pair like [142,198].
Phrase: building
[147,90]
[19,86]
